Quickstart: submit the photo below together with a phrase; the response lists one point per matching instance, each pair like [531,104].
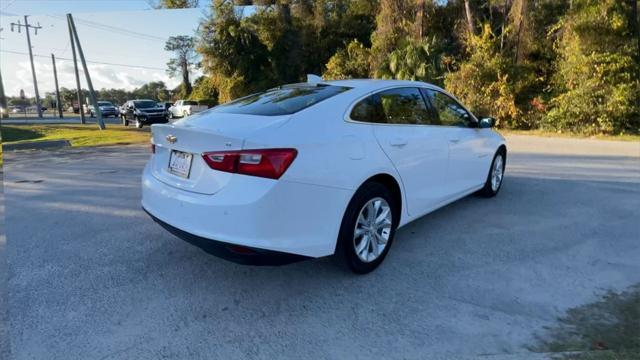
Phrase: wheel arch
[391,183]
[502,149]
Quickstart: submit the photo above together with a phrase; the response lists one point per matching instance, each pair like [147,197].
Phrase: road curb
[36,145]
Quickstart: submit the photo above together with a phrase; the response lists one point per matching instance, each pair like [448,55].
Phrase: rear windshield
[284,100]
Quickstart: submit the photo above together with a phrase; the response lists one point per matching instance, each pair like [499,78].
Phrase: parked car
[184,108]
[34,109]
[165,104]
[309,170]
[122,109]
[143,112]
[17,109]
[106,108]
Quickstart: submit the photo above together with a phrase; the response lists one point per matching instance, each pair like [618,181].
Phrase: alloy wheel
[372,230]
[497,173]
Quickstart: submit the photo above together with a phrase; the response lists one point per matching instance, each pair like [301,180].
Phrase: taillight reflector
[267,163]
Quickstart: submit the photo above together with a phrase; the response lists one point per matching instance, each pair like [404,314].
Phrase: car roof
[376,84]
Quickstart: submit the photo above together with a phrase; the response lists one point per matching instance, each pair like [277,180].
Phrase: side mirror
[486,123]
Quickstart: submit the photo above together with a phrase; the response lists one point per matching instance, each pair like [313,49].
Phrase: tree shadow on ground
[607,329]
[10,134]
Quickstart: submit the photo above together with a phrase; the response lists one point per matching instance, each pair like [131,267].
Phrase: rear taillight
[268,163]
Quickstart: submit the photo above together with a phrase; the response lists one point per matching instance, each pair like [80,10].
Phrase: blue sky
[113,32]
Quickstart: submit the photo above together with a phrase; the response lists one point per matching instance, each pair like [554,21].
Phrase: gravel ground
[92,277]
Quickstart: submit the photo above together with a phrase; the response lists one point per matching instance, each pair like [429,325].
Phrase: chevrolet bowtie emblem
[171,139]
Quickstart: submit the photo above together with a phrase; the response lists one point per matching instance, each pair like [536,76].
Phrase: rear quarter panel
[331,151]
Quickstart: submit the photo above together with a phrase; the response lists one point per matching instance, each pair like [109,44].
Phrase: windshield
[104,103]
[189,103]
[145,104]
[284,100]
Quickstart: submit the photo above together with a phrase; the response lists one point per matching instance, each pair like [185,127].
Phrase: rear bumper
[261,214]
[234,253]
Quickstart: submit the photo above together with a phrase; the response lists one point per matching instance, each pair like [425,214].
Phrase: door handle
[454,141]
[398,142]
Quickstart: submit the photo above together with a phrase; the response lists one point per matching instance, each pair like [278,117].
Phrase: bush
[486,82]
[352,62]
[597,80]
[415,60]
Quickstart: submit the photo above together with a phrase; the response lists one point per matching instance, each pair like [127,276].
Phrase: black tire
[488,189]
[345,247]
[138,124]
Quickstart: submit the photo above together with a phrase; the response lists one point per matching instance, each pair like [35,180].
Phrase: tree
[184,59]
[155,90]
[233,56]
[418,60]
[597,84]
[485,81]
[394,24]
[471,21]
[177,4]
[352,62]
[204,91]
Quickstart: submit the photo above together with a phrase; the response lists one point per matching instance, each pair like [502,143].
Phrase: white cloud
[102,76]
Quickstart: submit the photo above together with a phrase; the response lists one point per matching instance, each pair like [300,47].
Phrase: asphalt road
[92,277]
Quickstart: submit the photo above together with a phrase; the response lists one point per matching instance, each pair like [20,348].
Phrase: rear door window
[284,100]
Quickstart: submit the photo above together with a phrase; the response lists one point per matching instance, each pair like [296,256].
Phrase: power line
[114,29]
[89,61]
[5,7]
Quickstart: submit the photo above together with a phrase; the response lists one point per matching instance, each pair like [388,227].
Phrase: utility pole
[55,78]
[92,93]
[33,69]
[75,68]
[3,99]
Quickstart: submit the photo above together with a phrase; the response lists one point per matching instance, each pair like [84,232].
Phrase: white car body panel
[301,212]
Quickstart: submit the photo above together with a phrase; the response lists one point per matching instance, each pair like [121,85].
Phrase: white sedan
[319,168]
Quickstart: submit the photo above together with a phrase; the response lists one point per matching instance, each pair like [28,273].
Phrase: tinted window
[450,112]
[368,110]
[281,101]
[145,104]
[404,106]
[189,103]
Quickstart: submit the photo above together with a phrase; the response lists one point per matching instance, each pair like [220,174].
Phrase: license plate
[180,163]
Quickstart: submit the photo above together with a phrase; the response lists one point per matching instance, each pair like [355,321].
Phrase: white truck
[185,108]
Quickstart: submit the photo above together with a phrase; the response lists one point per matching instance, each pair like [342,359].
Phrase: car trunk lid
[197,135]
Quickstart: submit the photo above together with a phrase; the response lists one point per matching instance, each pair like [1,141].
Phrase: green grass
[607,329]
[78,135]
[543,133]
